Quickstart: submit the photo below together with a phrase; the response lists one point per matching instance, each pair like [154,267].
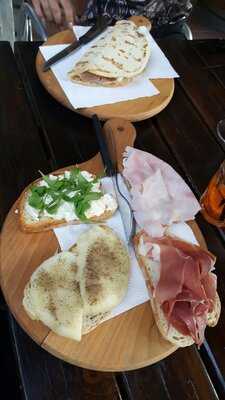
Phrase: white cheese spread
[66,210]
[31,212]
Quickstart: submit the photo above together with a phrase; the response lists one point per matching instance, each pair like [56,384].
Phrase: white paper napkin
[86,96]
[137,292]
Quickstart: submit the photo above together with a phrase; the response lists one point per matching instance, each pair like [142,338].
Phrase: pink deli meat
[186,288]
[159,196]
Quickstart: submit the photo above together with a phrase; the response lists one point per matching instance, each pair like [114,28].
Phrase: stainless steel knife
[100,26]
[119,186]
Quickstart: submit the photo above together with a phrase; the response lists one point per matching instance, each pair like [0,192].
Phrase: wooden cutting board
[132,110]
[126,342]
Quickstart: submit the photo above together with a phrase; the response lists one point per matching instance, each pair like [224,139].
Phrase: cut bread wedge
[151,271]
[43,211]
[117,57]
[104,266]
[74,291]
[53,296]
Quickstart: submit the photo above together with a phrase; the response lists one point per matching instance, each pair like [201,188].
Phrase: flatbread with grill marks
[117,57]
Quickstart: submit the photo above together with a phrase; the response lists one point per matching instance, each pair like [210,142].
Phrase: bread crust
[167,331]
[92,322]
[47,223]
[82,80]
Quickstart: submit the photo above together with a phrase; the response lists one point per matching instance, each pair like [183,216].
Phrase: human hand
[54,10]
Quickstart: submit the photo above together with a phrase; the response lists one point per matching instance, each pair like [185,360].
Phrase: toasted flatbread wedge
[90,322]
[53,296]
[104,264]
[115,59]
[41,219]
[74,291]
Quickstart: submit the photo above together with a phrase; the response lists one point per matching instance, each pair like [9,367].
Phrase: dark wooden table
[38,133]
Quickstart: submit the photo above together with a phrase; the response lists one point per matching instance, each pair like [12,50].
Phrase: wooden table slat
[59,124]
[19,164]
[46,377]
[212,52]
[191,141]
[219,72]
[200,85]
[180,376]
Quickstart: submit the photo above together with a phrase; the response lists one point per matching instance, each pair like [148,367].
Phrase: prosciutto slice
[186,287]
[159,196]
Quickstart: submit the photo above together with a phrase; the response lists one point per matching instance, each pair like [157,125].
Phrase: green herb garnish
[75,189]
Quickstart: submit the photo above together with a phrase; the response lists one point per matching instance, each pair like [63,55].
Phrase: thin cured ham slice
[159,196]
[186,288]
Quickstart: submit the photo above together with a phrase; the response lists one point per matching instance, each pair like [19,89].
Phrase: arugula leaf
[36,201]
[57,184]
[80,209]
[40,190]
[52,207]
[93,196]
[60,190]
[74,173]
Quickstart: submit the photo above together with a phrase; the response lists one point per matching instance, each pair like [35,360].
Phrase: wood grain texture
[15,117]
[211,52]
[132,110]
[8,362]
[68,137]
[48,378]
[191,141]
[203,90]
[69,133]
[180,376]
[129,341]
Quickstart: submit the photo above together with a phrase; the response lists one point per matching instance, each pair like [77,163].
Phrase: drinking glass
[213,199]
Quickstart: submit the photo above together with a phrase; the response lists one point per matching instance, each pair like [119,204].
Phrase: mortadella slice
[159,196]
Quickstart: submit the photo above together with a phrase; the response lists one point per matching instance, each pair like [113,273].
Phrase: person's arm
[54,10]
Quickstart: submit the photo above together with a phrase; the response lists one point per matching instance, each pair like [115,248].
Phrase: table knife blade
[118,184]
[100,26]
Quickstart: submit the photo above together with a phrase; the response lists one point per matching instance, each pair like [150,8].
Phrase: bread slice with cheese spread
[72,197]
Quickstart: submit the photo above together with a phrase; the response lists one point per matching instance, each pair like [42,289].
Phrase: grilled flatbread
[117,57]
[74,291]
[104,265]
[53,296]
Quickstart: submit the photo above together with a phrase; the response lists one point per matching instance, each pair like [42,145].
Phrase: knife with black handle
[110,169]
[124,206]
[100,26]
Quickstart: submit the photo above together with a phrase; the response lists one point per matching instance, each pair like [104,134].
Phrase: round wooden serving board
[132,110]
[126,342]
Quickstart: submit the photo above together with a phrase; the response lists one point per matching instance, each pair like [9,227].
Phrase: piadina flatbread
[74,291]
[115,59]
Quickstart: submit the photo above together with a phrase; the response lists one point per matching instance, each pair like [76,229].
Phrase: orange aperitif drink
[213,199]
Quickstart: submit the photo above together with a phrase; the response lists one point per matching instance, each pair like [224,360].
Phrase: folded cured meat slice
[159,196]
[186,286]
